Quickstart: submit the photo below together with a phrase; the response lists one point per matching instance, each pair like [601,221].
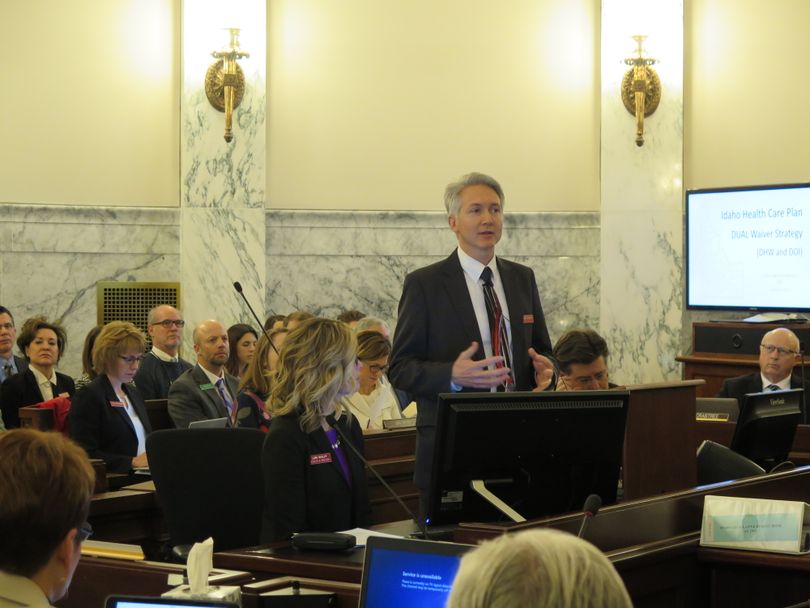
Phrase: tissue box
[781,526]
[220,594]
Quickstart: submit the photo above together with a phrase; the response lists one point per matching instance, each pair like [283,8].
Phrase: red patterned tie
[497,326]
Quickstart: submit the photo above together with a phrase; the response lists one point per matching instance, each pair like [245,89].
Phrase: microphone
[591,507]
[238,287]
[333,423]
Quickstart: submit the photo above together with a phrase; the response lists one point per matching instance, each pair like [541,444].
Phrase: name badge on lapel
[207,387]
[117,404]
[528,319]
[320,458]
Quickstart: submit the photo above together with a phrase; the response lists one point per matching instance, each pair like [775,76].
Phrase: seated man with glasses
[46,483]
[162,365]
[778,354]
[581,356]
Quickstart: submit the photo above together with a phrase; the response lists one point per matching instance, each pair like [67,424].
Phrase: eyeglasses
[585,381]
[167,323]
[7,326]
[131,359]
[378,369]
[84,532]
[783,352]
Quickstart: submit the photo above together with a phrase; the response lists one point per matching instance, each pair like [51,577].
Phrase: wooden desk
[128,516]
[392,454]
[348,594]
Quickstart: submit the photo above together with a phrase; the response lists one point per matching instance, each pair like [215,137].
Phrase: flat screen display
[748,248]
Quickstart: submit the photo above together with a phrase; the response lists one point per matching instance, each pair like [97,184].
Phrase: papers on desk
[362,535]
[100,548]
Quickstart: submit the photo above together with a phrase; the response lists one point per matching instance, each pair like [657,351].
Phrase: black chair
[209,483]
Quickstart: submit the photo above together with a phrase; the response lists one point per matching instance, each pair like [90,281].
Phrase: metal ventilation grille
[132,301]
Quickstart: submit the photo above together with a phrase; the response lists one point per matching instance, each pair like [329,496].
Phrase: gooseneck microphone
[591,507]
[333,423]
[238,287]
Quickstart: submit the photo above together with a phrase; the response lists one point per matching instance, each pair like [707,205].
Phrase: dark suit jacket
[752,383]
[437,322]
[308,493]
[188,402]
[105,431]
[22,389]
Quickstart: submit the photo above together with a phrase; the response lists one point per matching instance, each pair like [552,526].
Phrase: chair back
[209,483]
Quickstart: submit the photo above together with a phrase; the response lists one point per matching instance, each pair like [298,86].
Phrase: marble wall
[52,257]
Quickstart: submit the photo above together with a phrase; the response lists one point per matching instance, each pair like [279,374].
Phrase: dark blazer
[305,490]
[437,322]
[21,363]
[105,431]
[189,401]
[752,383]
[22,389]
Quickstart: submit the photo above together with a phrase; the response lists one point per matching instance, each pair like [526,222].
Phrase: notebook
[408,573]
[120,601]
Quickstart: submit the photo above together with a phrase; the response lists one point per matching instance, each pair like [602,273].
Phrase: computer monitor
[542,453]
[766,426]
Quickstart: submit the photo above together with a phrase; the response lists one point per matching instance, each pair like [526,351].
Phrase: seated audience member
[254,387]
[108,416]
[313,482]
[206,391]
[88,373]
[242,339]
[539,568]
[46,484]
[374,401]
[778,354]
[294,319]
[350,317]
[10,364]
[373,324]
[581,356]
[162,365]
[274,322]
[42,343]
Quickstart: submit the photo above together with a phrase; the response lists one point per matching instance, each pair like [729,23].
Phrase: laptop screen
[163,602]
[408,573]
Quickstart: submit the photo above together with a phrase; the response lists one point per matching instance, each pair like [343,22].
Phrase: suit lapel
[212,395]
[110,396]
[140,408]
[458,295]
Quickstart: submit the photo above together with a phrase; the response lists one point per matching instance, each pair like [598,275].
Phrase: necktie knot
[486,276]
[772,387]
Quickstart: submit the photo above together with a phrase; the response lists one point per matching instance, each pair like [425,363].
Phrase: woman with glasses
[375,400]
[42,343]
[108,416]
[44,503]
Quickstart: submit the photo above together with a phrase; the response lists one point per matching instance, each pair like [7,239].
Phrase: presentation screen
[748,248]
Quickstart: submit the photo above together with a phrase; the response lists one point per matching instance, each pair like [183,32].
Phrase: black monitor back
[546,452]
[767,425]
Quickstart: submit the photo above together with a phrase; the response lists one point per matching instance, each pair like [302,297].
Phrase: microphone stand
[238,287]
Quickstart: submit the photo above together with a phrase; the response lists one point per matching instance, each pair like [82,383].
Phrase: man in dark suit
[10,364]
[444,339]
[206,391]
[778,354]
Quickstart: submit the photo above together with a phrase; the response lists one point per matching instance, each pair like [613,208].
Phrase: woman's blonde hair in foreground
[316,364]
[537,569]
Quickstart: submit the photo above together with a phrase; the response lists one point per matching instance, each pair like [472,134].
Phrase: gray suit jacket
[192,397]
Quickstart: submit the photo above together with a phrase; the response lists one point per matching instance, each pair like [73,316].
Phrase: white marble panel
[217,248]
[641,304]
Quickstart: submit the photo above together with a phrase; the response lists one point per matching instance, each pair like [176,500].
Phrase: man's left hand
[543,369]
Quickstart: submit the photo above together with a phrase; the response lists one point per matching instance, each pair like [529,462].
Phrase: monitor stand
[480,487]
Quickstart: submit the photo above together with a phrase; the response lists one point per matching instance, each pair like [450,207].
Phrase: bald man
[162,365]
[778,354]
[206,391]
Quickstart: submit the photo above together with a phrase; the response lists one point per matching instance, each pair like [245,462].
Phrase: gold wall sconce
[641,88]
[225,81]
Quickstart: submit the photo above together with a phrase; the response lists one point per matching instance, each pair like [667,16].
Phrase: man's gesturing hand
[474,374]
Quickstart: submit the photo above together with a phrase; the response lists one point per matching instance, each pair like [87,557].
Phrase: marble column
[641,301]
[222,224]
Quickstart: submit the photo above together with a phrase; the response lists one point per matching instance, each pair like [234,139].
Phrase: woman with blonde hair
[313,482]
[542,568]
[108,416]
[254,387]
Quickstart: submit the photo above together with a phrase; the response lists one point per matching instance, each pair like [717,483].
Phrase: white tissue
[199,565]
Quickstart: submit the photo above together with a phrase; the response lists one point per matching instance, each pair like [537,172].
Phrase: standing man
[206,391]
[470,322]
[778,354]
[10,364]
[161,366]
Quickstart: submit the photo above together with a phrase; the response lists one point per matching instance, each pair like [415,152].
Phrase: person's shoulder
[184,381]
[185,364]
[504,263]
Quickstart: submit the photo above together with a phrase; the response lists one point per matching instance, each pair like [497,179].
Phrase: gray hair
[151,318]
[794,339]
[452,193]
[371,324]
[542,568]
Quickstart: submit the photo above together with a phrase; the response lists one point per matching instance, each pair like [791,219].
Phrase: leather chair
[209,483]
